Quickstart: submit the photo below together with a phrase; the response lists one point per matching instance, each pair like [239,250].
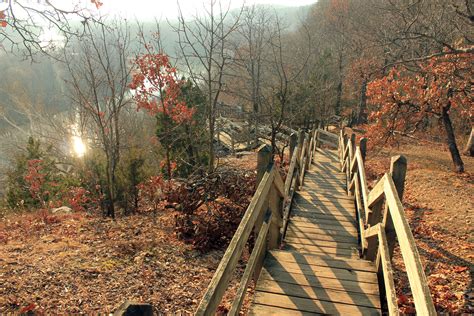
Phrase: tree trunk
[469,150]
[362,115]
[451,139]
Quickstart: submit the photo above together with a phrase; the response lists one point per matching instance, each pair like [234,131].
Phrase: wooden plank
[316,214]
[259,310]
[318,293]
[337,238]
[411,258]
[387,273]
[332,225]
[254,261]
[327,142]
[338,252]
[327,207]
[325,261]
[327,195]
[274,266]
[323,217]
[334,136]
[325,201]
[328,230]
[328,191]
[320,281]
[311,305]
[350,226]
[320,243]
[223,274]
[376,194]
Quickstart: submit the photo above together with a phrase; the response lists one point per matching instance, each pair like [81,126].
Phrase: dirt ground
[439,205]
[84,263]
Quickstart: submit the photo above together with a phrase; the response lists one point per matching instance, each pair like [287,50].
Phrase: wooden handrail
[223,274]
[373,229]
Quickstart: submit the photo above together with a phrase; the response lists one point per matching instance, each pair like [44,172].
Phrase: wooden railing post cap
[265,148]
[399,159]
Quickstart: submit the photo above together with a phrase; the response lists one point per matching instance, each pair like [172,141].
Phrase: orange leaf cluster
[402,99]
[157,88]
[3,21]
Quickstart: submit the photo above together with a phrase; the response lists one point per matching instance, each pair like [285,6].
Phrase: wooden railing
[381,220]
[267,215]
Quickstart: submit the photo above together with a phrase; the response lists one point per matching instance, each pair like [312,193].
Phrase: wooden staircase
[319,270]
[324,242]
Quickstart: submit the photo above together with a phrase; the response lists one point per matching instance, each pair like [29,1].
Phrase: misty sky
[149,9]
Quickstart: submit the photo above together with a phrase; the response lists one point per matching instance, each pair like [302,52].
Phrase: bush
[211,208]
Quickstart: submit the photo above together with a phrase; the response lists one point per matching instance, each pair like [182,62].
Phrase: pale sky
[149,9]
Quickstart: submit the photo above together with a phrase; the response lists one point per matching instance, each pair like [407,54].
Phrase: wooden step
[272,265]
[322,218]
[320,243]
[328,230]
[325,209]
[291,233]
[259,310]
[318,293]
[320,214]
[312,305]
[346,225]
[320,281]
[325,194]
[326,261]
[338,252]
[342,227]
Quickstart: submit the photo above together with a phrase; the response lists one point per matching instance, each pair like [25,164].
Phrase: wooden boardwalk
[318,271]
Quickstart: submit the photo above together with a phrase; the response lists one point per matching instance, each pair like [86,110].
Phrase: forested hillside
[129,149]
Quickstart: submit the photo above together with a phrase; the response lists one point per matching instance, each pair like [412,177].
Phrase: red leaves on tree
[403,99]
[35,178]
[97,3]
[157,88]
[3,21]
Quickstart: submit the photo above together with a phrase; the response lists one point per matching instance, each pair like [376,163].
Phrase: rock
[61,210]
[129,308]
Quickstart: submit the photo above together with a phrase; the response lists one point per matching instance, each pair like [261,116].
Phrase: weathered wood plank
[320,243]
[346,225]
[320,281]
[387,272]
[314,214]
[274,266]
[328,230]
[418,283]
[311,305]
[327,261]
[259,310]
[318,293]
[254,261]
[337,226]
[338,252]
[317,214]
[322,236]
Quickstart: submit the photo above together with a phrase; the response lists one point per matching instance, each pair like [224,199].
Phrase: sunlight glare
[78,146]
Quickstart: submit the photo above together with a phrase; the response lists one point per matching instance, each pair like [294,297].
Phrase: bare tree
[203,46]
[26,26]
[283,66]
[99,74]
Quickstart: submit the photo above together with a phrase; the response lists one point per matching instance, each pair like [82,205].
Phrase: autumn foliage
[405,101]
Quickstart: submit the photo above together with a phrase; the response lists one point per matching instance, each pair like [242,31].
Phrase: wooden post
[363,147]
[293,142]
[264,158]
[275,205]
[300,141]
[353,142]
[398,169]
